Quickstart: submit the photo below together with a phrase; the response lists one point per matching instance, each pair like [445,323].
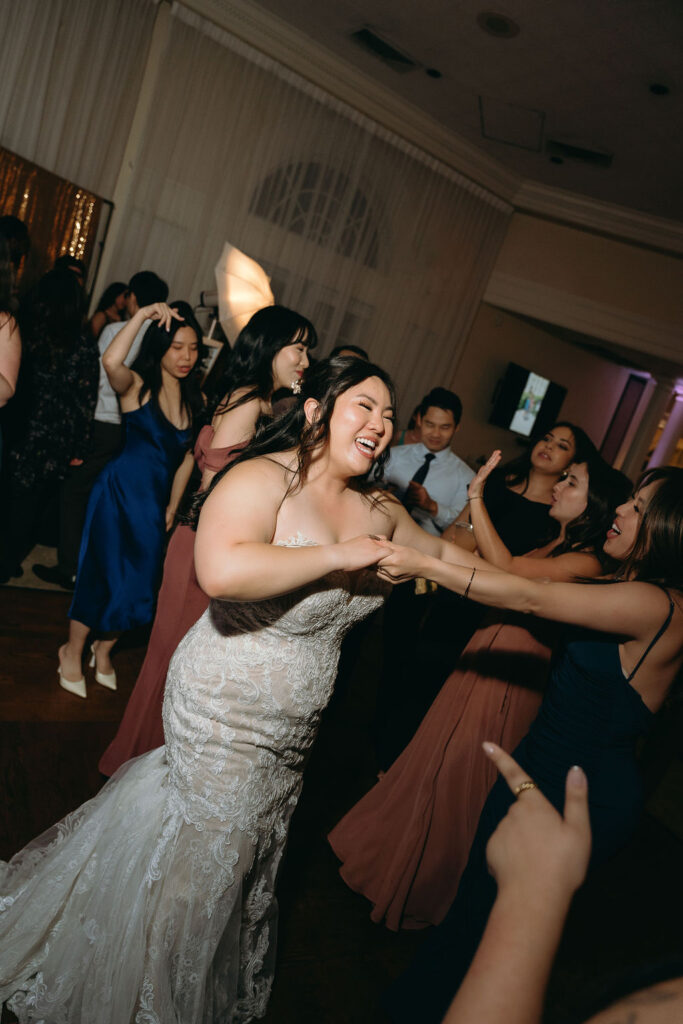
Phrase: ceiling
[578,71]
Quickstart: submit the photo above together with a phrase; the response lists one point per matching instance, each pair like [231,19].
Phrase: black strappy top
[662,629]
[592,716]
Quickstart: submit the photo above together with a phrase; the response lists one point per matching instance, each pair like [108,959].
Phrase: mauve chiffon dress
[180,604]
[405,844]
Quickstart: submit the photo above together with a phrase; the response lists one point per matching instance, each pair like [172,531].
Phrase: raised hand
[162,313]
[478,482]
[535,851]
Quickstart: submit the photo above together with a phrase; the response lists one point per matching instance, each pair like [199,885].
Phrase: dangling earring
[296,387]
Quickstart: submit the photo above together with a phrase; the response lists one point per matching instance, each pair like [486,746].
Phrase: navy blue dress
[123,538]
[591,716]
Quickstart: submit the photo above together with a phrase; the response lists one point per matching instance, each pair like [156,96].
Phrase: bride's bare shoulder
[269,471]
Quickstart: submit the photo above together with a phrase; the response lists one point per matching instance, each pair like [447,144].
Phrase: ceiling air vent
[384,51]
[569,151]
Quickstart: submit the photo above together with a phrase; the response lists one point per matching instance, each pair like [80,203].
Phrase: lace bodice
[256,676]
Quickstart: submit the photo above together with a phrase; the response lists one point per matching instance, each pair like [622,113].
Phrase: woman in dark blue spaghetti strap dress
[133,500]
[622,653]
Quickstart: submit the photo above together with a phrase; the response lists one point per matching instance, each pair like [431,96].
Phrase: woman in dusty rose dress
[405,845]
[270,353]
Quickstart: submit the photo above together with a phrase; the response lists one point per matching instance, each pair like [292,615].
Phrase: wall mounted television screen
[525,402]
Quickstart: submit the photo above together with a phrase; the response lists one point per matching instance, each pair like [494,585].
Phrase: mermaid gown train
[154,902]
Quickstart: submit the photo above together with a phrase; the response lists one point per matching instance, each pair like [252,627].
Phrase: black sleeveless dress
[591,716]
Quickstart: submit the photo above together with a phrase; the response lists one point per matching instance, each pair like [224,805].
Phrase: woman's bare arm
[180,482]
[234,557]
[635,609]
[407,532]
[233,427]
[121,377]
[10,358]
[460,533]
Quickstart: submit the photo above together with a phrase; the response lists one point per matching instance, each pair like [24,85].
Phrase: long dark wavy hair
[324,382]
[607,488]
[51,315]
[657,555]
[517,471]
[251,360]
[155,344]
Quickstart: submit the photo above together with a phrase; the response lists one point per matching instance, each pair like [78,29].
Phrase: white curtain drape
[70,74]
[378,244]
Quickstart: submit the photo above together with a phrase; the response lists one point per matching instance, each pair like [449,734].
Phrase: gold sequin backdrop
[61,217]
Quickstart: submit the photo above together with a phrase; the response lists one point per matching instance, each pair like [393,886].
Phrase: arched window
[323,206]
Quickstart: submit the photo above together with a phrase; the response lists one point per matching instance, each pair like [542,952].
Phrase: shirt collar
[422,450]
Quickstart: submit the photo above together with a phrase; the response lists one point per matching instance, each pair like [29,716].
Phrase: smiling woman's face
[289,364]
[627,521]
[361,426]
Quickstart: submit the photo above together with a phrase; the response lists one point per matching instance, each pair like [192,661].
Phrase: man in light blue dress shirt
[428,477]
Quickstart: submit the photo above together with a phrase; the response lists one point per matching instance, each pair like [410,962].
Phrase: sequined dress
[154,902]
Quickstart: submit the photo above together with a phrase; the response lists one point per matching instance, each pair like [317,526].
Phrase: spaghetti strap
[662,629]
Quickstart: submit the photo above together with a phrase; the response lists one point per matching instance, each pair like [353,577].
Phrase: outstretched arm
[407,532]
[636,609]
[234,557]
[538,858]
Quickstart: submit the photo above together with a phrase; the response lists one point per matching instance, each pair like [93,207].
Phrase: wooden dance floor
[333,962]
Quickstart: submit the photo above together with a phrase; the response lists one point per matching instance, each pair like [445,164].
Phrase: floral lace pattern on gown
[154,902]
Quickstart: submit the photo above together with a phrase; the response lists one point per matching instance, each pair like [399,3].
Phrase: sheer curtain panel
[70,73]
[376,242]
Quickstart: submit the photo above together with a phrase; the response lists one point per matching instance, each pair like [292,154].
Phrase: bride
[154,902]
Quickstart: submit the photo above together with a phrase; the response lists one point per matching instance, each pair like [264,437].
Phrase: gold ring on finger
[523,786]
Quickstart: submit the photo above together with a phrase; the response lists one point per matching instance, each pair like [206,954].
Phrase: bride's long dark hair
[324,382]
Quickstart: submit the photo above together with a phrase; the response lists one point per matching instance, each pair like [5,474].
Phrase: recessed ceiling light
[659,89]
[498,25]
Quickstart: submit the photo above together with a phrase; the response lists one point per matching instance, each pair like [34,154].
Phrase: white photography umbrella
[243,288]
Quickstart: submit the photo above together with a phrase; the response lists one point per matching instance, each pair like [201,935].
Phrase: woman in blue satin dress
[612,675]
[131,503]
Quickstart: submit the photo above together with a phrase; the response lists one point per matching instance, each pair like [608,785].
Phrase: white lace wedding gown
[154,902]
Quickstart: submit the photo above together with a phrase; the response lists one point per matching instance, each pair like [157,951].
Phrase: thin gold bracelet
[467,588]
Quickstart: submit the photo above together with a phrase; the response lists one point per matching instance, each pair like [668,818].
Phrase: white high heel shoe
[76,686]
[107,679]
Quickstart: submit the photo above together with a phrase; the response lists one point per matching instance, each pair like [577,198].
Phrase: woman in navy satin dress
[131,503]
[611,677]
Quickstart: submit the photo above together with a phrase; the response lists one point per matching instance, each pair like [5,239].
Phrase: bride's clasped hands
[361,552]
[399,563]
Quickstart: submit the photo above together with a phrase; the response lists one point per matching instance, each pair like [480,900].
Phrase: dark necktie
[420,474]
